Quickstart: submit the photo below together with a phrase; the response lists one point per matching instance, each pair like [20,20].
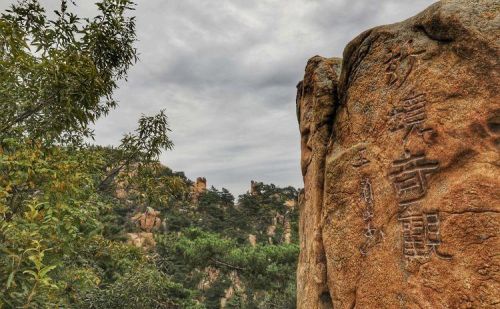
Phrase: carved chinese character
[432,235]
[360,158]
[409,176]
[366,191]
[421,235]
[370,230]
[367,195]
[372,234]
[400,63]
[413,236]
[409,116]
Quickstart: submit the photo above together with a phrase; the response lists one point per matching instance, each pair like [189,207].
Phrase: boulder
[142,240]
[148,220]
[198,188]
[255,187]
[400,158]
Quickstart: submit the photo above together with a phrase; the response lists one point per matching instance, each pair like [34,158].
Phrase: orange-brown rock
[142,240]
[235,287]
[287,228]
[252,239]
[291,203]
[211,274]
[255,187]
[315,110]
[400,157]
[148,221]
[287,231]
[199,187]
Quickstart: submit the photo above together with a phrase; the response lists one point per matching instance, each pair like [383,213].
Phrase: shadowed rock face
[400,157]
[315,109]
[200,185]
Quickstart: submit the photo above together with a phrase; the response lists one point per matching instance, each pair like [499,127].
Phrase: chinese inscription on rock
[410,177]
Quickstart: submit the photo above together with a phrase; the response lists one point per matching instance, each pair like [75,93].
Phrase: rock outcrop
[255,187]
[400,158]
[315,109]
[199,187]
[148,220]
[143,240]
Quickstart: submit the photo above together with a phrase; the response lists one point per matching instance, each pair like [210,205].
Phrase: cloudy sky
[226,70]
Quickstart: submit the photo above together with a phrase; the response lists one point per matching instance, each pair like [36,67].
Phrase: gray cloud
[225,71]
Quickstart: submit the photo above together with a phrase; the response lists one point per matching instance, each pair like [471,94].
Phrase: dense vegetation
[63,227]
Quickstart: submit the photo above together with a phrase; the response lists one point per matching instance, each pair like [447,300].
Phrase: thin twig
[226,264]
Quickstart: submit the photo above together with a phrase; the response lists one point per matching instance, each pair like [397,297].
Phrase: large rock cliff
[400,158]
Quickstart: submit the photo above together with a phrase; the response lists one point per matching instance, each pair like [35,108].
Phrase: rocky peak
[200,185]
[255,187]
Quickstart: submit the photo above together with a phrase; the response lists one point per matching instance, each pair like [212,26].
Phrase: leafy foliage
[63,224]
[140,150]
[59,75]
[161,292]
[214,240]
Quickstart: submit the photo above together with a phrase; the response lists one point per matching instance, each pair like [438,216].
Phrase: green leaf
[46,269]
[10,279]
[30,272]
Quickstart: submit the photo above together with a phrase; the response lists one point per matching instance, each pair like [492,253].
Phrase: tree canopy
[67,207]
[59,75]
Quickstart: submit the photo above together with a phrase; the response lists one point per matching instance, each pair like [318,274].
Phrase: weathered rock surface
[315,109]
[400,157]
[254,187]
[143,240]
[148,220]
[199,187]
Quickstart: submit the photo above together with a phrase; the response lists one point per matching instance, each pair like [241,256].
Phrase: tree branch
[226,264]
[22,117]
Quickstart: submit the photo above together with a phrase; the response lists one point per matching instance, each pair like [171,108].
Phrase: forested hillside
[86,226]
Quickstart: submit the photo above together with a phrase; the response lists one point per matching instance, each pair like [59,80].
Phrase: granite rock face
[198,188]
[400,157]
[143,240]
[147,221]
[315,110]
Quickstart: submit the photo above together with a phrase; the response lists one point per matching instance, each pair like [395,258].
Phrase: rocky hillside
[230,254]
[400,143]
[97,227]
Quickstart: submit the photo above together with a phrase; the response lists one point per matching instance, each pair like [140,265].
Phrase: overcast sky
[225,72]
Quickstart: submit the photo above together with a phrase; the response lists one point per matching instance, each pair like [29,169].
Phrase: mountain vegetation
[69,210]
